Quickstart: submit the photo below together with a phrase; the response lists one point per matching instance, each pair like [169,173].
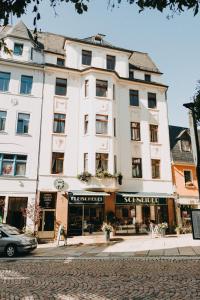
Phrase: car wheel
[10,250]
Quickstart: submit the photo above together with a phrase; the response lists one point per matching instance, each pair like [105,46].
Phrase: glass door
[47,224]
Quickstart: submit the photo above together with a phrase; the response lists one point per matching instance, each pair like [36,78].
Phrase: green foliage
[196,100]
[84,176]
[104,174]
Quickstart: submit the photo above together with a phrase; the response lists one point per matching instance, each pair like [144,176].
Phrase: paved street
[129,278]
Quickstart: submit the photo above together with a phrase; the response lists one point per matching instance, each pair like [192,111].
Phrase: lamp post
[190,106]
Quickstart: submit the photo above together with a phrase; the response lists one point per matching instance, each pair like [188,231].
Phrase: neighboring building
[21,83]
[183,174]
[104,112]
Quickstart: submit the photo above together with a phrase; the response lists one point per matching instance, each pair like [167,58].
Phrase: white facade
[74,142]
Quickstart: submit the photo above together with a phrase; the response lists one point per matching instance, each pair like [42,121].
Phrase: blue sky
[173,44]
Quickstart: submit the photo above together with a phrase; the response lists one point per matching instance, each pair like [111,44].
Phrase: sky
[173,44]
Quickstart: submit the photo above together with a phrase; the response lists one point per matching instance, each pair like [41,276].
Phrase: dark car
[13,242]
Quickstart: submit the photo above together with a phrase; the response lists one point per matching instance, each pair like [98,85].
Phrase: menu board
[195,214]
[47,200]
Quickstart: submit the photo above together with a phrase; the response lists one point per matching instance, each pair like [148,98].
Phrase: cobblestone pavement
[128,278]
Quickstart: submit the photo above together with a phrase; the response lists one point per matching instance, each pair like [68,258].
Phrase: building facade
[184,175]
[103,137]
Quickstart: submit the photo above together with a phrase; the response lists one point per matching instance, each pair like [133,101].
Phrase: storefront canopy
[86,197]
[142,198]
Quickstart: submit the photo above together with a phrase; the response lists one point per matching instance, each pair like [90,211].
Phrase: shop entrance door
[47,224]
[16,215]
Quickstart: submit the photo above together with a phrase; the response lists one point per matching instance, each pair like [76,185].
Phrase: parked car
[13,242]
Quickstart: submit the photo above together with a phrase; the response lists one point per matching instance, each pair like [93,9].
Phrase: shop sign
[85,199]
[59,184]
[195,214]
[140,200]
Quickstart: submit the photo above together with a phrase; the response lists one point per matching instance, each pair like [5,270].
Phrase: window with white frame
[26,84]
[152,102]
[4,81]
[155,167]
[101,88]
[153,130]
[18,49]
[136,167]
[57,163]
[3,115]
[86,57]
[101,124]
[187,177]
[23,123]
[86,122]
[135,131]
[13,164]
[101,161]
[110,62]
[61,87]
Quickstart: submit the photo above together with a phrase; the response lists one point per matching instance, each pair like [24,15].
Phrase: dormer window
[131,73]
[18,49]
[110,62]
[86,57]
[60,62]
[147,77]
[185,145]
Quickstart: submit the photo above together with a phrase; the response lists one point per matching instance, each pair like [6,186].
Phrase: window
[57,163]
[115,164]
[101,161]
[23,123]
[131,73]
[134,97]
[185,145]
[60,62]
[101,124]
[152,100]
[147,77]
[26,84]
[86,121]
[61,87]
[13,164]
[101,88]
[4,81]
[86,88]
[114,127]
[3,115]
[124,212]
[155,167]
[59,123]
[114,96]
[153,133]
[86,57]
[135,131]
[136,167]
[85,166]
[110,62]
[187,176]
[18,49]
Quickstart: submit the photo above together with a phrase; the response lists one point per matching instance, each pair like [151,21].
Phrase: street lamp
[191,107]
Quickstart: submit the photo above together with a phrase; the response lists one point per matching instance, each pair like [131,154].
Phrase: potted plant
[107,228]
[103,174]
[84,176]
[162,228]
[178,229]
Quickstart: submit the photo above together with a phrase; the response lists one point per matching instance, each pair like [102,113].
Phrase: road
[120,278]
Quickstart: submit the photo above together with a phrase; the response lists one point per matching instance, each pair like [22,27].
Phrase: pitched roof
[177,133]
[20,31]
[142,61]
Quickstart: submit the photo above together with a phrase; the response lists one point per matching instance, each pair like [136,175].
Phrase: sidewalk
[122,246]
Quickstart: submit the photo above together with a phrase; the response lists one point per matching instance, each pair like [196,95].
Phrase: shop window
[93,212]
[57,163]
[153,130]
[110,62]
[152,102]
[136,167]
[188,177]
[3,115]
[18,49]
[60,62]
[86,88]
[101,161]
[125,212]
[101,124]
[59,123]
[4,81]
[85,162]
[155,167]
[134,97]
[147,77]
[86,57]
[86,122]
[185,145]
[135,131]
[2,206]
[26,84]
[13,165]
[101,88]
[23,123]
[61,87]
[16,215]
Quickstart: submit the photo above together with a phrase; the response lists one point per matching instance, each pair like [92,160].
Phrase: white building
[104,111]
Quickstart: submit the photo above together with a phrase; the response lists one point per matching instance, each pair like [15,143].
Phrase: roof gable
[20,31]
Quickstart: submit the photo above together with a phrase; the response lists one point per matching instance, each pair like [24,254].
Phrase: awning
[142,198]
[86,197]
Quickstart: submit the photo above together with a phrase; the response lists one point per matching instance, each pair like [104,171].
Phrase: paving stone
[186,251]
[171,252]
[159,252]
